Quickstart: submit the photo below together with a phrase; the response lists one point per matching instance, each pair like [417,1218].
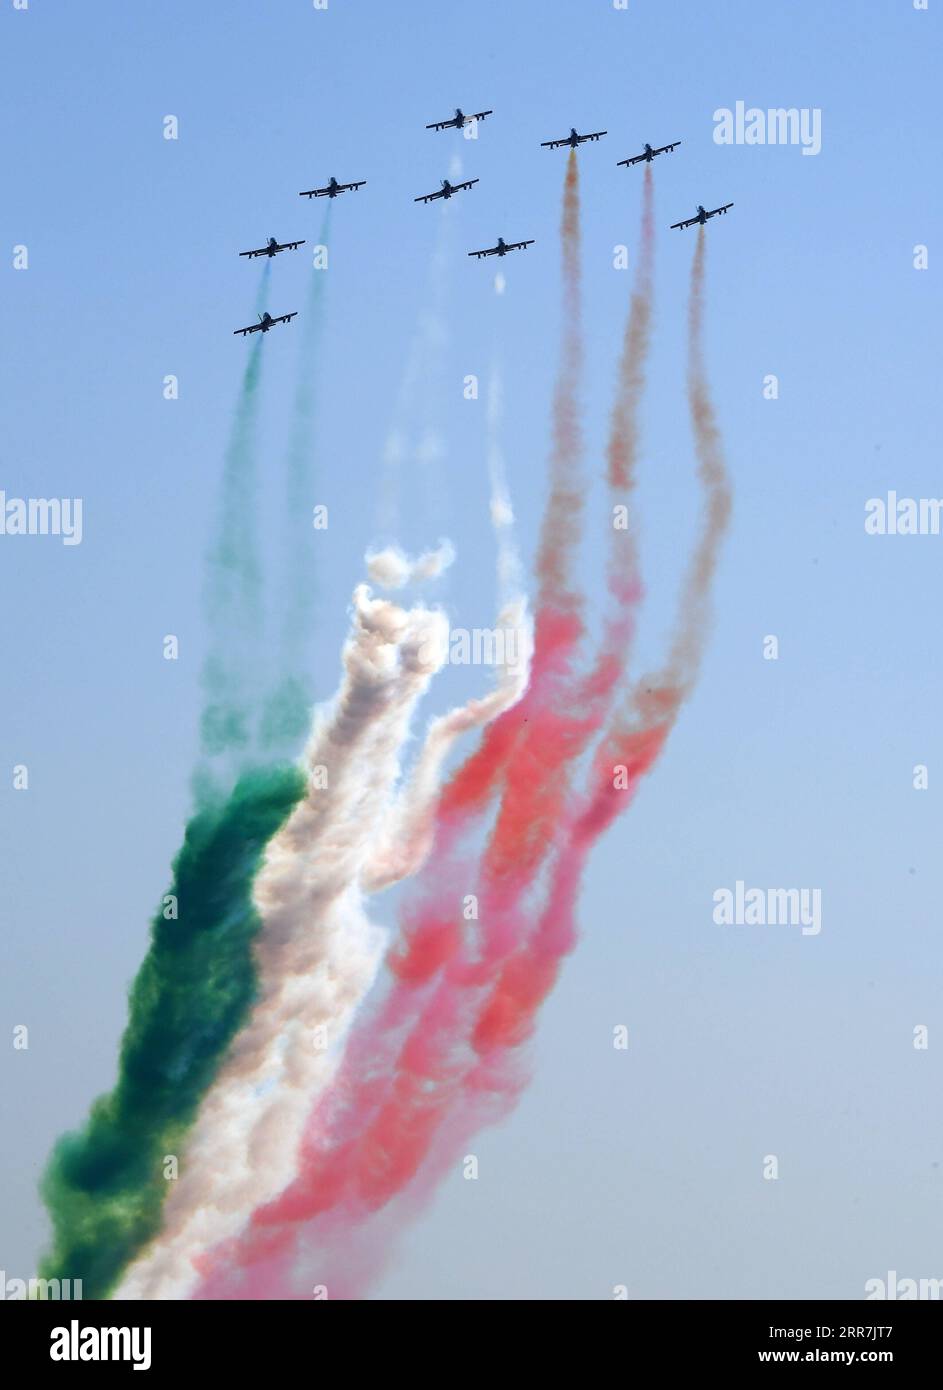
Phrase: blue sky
[641,1168]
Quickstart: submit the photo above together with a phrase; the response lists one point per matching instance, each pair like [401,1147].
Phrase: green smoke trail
[287,711]
[233,585]
[106,1183]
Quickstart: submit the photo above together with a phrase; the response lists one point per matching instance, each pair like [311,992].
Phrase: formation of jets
[445,191]
[457,122]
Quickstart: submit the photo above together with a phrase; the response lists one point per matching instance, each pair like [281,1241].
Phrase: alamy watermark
[480,646]
[54,1290]
[903,516]
[769,907]
[894,1289]
[778,125]
[78,1343]
[42,516]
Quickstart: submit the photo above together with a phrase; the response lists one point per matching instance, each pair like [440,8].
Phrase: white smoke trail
[408,836]
[392,568]
[502,512]
[414,435]
[317,951]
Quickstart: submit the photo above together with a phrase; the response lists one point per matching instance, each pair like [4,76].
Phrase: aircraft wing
[441,125]
[314,193]
[479,115]
[286,318]
[594,135]
[636,159]
[715,211]
[289,246]
[431,197]
[343,187]
[666,149]
[260,252]
[254,328]
[467,184]
[553,144]
[491,251]
[518,245]
[688,222]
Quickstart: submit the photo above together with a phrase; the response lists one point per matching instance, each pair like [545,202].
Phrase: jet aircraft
[502,248]
[266,322]
[273,248]
[331,189]
[648,154]
[445,191]
[458,120]
[572,139]
[701,217]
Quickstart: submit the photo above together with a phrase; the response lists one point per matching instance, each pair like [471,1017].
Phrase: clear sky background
[643,1167]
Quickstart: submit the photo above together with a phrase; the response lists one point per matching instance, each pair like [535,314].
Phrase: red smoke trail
[629,749]
[532,808]
[563,514]
[463,1046]
[689,643]
[637,735]
[623,439]
[506,1011]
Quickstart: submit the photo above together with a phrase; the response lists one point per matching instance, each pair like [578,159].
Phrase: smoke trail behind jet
[561,526]
[232,596]
[287,712]
[625,755]
[414,436]
[105,1184]
[688,646]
